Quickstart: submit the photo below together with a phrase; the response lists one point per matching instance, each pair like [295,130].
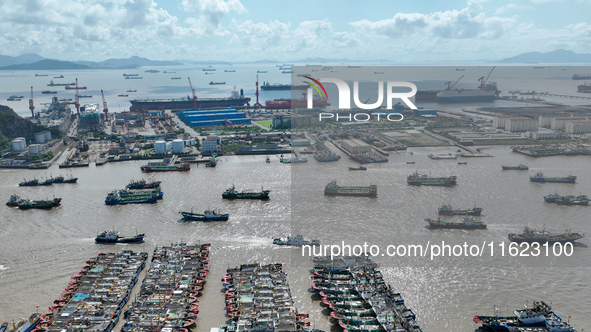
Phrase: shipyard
[167,195]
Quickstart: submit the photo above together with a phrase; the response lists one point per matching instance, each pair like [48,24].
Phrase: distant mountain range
[558,56]
[37,62]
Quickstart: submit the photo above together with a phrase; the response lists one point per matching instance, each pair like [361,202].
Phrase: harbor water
[41,250]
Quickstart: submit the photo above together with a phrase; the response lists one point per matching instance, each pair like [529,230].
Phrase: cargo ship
[268,86]
[520,167]
[531,235]
[324,156]
[286,103]
[573,200]
[122,197]
[188,103]
[447,210]
[332,189]
[164,167]
[584,88]
[143,184]
[466,95]
[528,316]
[232,193]
[417,179]
[581,77]
[539,177]
[208,215]
[216,83]
[51,83]
[41,204]
[467,223]
[114,237]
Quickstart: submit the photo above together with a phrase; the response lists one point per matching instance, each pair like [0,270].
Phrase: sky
[287,30]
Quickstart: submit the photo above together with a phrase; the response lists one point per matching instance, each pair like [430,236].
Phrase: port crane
[450,85]
[105,108]
[484,80]
[194,95]
[257,104]
[76,100]
[31,105]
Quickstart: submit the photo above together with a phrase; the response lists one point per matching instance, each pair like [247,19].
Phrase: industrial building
[356,146]
[211,144]
[578,127]
[215,117]
[521,125]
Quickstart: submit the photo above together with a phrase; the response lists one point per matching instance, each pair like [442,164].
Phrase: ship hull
[461,213]
[200,217]
[454,226]
[519,239]
[571,180]
[185,104]
[465,95]
[246,196]
[335,193]
[135,239]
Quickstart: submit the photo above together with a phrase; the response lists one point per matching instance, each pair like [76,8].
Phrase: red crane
[194,95]
[105,109]
[450,85]
[31,106]
[76,100]
[257,104]
[484,80]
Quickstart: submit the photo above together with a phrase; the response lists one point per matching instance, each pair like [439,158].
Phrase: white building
[211,144]
[548,134]
[578,127]
[356,146]
[559,123]
[521,125]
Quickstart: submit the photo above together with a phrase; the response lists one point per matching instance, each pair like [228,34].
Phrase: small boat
[539,177]
[175,78]
[520,167]
[208,215]
[410,162]
[143,184]
[84,96]
[216,83]
[61,76]
[3,327]
[261,71]
[14,200]
[132,90]
[48,92]
[360,168]
[14,98]
[297,240]
[532,235]
[122,95]
[232,193]
[42,204]
[462,163]
[267,160]
[447,210]
[114,237]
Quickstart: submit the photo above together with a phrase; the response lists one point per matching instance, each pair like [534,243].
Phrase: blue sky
[240,30]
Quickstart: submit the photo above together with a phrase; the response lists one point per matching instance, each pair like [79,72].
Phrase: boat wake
[2,267]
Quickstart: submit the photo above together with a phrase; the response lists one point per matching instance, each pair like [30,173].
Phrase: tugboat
[232,193]
[360,168]
[447,210]
[531,235]
[467,223]
[113,237]
[297,240]
[208,215]
[30,183]
[520,167]
[417,179]
[14,200]
[539,177]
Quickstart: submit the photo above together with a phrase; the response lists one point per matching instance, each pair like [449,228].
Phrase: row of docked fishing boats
[567,200]
[167,300]
[26,204]
[258,298]
[359,299]
[538,318]
[48,182]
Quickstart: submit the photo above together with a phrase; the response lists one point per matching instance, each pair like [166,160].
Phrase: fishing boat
[447,210]
[539,177]
[143,184]
[232,193]
[14,98]
[551,198]
[208,215]
[164,167]
[14,200]
[29,183]
[297,240]
[467,223]
[463,163]
[267,160]
[360,168]
[526,317]
[520,167]
[3,327]
[531,235]
[114,237]
[573,200]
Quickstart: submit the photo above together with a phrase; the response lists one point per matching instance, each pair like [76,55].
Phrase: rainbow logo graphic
[322,97]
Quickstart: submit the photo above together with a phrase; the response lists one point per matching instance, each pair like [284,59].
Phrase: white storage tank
[160,147]
[178,146]
[34,148]
[47,134]
[23,142]
[40,137]
[16,145]
[168,146]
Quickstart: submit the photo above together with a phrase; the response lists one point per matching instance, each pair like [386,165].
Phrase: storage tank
[47,134]
[178,146]
[34,148]
[16,145]
[160,147]
[23,142]
[168,146]
[40,137]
